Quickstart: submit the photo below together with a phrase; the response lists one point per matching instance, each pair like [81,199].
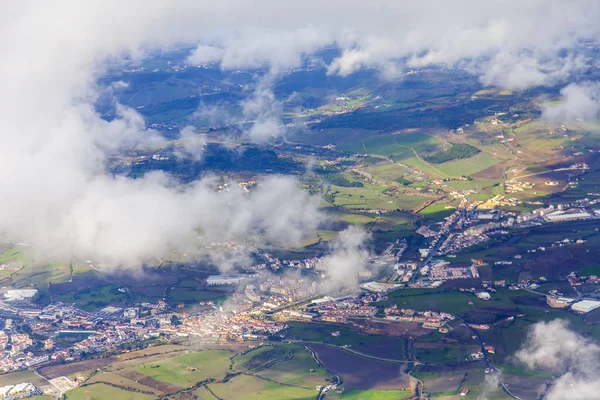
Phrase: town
[269,294]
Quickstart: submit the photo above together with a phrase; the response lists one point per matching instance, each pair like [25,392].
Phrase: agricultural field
[360,372]
[123,382]
[375,394]
[372,197]
[373,345]
[11,254]
[377,197]
[247,387]
[284,371]
[95,298]
[467,166]
[504,302]
[101,391]
[40,275]
[12,378]
[437,212]
[286,364]
[524,382]
[188,369]
[299,371]
[387,171]
[443,353]
[446,382]
[399,146]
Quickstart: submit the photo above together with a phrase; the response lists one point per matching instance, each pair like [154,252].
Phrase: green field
[467,166]
[522,371]
[100,391]
[246,387]
[374,197]
[375,394]
[446,382]
[194,295]
[96,298]
[188,369]
[322,333]
[455,152]
[591,270]
[452,302]
[375,345]
[41,275]
[13,378]
[257,358]
[388,171]
[297,370]
[12,254]
[437,212]
[454,353]
[113,378]
[399,145]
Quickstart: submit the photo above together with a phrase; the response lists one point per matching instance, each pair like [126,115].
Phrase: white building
[483,295]
[567,216]
[20,294]
[585,306]
[379,287]
[23,389]
[130,313]
[224,279]
[4,391]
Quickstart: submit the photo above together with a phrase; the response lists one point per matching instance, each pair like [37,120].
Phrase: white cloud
[489,387]
[514,45]
[552,345]
[264,110]
[274,48]
[205,54]
[190,144]
[55,192]
[348,256]
[578,101]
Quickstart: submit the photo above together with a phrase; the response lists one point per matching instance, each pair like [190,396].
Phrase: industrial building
[4,391]
[224,279]
[24,389]
[20,294]
[559,216]
[585,306]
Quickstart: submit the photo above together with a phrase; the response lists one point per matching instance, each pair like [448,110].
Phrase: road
[315,357]
[433,250]
[545,172]
[487,361]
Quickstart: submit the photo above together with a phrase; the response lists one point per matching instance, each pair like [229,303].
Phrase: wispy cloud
[348,256]
[552,345]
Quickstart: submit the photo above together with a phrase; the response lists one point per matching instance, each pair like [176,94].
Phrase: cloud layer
[55,191]
[507,43]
